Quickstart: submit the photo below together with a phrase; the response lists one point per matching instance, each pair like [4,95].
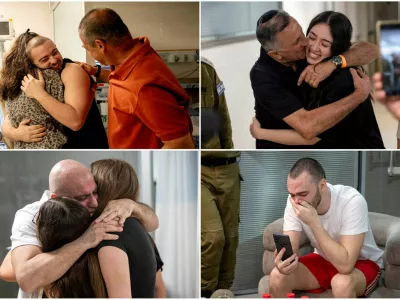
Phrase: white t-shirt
[24,233]
[347,215]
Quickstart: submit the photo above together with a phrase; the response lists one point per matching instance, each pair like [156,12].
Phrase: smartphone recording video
[388,35]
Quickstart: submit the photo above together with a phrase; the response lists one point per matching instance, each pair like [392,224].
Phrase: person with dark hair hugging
[332,108]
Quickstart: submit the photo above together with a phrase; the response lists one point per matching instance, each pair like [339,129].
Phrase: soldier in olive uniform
[220,189]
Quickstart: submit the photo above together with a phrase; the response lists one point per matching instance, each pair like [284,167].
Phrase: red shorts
[324,271]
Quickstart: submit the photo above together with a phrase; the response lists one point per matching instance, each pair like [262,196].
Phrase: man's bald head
[67,177]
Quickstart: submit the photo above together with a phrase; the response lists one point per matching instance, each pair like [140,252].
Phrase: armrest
[392,249]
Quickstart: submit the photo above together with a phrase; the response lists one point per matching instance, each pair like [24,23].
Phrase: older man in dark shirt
[276,74]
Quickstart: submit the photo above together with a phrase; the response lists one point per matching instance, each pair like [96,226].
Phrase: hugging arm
[309,124]
[35,269]
[24,132]
[77,94]
[125,208]
[359,54]
[281,136]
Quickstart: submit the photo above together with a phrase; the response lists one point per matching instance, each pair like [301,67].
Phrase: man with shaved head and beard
[346,258]
[79,113]
[34,269]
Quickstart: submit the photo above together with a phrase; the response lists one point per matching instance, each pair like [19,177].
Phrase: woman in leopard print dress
[20,106]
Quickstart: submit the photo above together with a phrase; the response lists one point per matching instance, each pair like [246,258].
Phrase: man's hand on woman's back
[125,208]
[98,232]
[362,84]
[314,74]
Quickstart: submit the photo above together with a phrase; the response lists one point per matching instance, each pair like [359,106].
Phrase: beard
[317,199]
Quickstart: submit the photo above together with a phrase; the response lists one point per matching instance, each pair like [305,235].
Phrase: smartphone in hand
[388,39]
[283,241]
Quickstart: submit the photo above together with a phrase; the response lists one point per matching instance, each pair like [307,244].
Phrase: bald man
[79,113]
[35,269]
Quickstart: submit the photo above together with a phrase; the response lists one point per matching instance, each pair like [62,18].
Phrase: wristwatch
[337,60]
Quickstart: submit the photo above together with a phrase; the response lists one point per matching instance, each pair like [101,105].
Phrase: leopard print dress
[23,107]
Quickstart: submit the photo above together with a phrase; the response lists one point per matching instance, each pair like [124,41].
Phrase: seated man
[35,269]
[335,219]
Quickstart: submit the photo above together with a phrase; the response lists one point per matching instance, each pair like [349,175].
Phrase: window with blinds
[263,200]
[226,20]
[381,190]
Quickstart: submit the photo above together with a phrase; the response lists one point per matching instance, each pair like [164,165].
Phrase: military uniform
[220,193]
[213,98]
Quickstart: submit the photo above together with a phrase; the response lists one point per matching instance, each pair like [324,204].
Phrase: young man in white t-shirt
[32,268]
[335,219]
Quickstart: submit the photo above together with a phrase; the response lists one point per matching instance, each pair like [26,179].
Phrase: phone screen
[283,241]
[389,44]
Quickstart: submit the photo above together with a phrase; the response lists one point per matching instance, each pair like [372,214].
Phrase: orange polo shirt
[146,103]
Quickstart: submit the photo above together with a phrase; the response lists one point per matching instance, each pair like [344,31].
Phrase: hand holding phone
[388,39]
[287,262]
[283,241]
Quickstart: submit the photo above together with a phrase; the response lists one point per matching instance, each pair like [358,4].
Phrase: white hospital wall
[32,15]
[233,63]
[66,17]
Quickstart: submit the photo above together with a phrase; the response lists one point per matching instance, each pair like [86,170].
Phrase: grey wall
[381,190]
[23,179]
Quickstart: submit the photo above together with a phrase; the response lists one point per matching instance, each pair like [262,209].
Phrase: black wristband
[98,71]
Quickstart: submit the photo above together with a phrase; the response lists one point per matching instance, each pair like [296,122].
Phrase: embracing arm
[146,216]
[35,269]
[360,54]
[77,94]
[114,266]
[125,208]
[24,132]
[281,136]
[92,70]
[310,124]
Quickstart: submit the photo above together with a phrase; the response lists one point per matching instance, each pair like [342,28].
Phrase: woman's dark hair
[59,222]
[341,29]
[115,179]
[16,65]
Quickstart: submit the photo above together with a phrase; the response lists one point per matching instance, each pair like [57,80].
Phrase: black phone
[283,241]
[388,39]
